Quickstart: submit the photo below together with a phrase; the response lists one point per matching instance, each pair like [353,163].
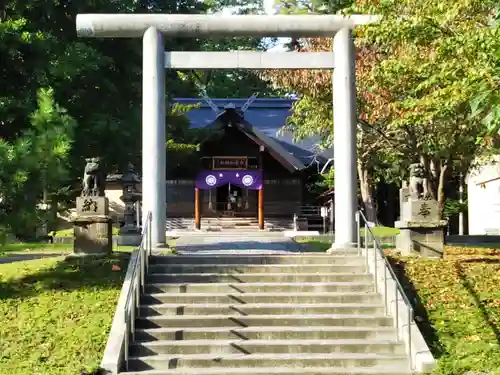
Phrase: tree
[96,81]
[416,74]
[35,166]
[431,59]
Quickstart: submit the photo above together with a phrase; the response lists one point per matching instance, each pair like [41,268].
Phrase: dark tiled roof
[267,115]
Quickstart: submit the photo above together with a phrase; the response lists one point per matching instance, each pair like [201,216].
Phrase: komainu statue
[93,179]
[418,182]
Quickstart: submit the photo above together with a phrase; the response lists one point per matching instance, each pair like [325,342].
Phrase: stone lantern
[131,195]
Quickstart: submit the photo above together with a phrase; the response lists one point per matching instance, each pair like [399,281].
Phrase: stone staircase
[244,314]
[243,224]
[239,224]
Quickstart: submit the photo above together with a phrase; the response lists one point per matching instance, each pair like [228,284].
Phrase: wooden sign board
[230,162]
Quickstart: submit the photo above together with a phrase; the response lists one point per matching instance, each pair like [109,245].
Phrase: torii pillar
[152,27]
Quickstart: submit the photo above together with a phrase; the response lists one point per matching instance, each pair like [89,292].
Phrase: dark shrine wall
[282,189]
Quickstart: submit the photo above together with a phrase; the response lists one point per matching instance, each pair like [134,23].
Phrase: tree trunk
[429,177]
[441,196]
[367,193]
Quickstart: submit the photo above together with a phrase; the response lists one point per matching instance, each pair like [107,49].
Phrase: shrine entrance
[230,201]
[227,193]
[154,27]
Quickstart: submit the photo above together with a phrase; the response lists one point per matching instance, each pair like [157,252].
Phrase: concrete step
[224,347]
[265,360]
[295,320]
[261,309]
[375,370]
[258,277]
[244,298]
[354,266]
[322,259]
[261,287]
[267,333]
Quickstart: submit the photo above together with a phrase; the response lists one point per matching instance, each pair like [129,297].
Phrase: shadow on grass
[315,245]
[38,247]
[469,286]
[421,317]
[68,275]
[17,257]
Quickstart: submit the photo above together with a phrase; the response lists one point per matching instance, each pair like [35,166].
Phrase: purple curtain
[246,179]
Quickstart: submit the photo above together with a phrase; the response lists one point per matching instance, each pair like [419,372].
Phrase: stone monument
[92,225]
[421,228]
[130,196]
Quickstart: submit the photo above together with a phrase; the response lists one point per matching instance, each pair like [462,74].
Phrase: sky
[269,6]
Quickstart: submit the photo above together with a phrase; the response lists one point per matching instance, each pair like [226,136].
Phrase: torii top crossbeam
[206,26]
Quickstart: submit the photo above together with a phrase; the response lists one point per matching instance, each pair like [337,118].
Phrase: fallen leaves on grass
[461,295]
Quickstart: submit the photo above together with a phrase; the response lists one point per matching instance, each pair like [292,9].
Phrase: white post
[461,199]
[345,120]
[153,134]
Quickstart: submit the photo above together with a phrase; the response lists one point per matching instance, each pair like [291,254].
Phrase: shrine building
[246,167]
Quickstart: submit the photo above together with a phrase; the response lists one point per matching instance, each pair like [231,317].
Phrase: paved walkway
[236,243]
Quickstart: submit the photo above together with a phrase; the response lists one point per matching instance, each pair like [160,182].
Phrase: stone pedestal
[92,226]
[421,229]
[421,238]
[130,215]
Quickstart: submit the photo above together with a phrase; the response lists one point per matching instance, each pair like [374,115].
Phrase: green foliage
[55,314]
[427,79]
[45,68]
[319,183]
[453,207]
[34,164]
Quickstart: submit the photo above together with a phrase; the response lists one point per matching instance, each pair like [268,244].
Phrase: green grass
[69,232]
[320,244]
[458,305]
[317,245]
[35,247]
[382,231]
[44,248]
[55,314]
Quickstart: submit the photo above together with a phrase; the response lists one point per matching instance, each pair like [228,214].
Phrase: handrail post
[375,266]
[358,229]
[396,309]
[398,288]
[137,294]
[126,339]
[137,285]
[385,289]
[410,319]
[142,256]
[366,248]
[150,238]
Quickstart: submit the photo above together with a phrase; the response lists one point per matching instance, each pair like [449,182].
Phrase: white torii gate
[153,27]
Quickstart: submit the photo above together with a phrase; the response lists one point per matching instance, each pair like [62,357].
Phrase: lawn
[35,247]
[69,232]
[44,248]
[55,314]
[457,306]
[319,244]
[382,231]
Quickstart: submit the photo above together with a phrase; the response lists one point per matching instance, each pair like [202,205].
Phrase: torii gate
[153,27]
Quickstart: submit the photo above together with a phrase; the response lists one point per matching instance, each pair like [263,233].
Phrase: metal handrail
[137,285]
[377,250]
